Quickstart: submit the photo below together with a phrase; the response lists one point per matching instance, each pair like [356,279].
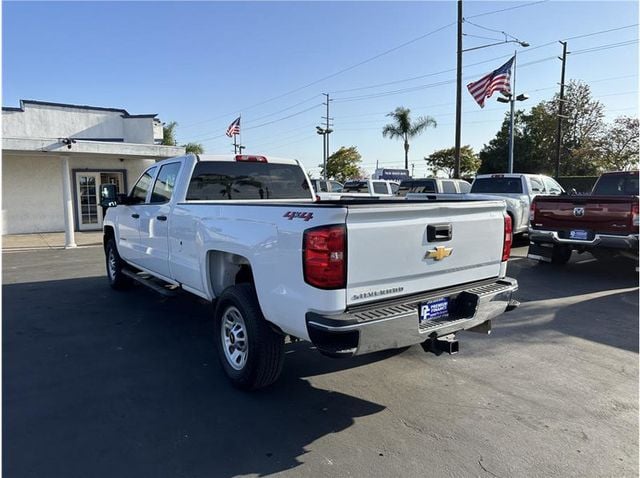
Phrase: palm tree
[403,128]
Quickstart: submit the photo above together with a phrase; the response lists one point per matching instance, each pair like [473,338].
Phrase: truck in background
[604,223]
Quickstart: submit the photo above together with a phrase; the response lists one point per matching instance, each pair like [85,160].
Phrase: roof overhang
[84,148]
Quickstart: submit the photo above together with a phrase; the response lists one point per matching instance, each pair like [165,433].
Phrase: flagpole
[511,116]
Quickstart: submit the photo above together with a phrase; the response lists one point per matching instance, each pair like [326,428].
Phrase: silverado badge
[439,253]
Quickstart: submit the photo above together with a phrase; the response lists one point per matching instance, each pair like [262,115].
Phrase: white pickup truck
[352,276]
[517,190]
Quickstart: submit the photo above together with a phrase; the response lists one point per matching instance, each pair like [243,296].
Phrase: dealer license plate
[579,234]
[434,309]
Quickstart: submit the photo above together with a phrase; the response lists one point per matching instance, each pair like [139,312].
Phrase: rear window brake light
[251,158]
[497,175]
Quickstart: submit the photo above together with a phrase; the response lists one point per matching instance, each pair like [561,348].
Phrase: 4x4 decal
[291,215]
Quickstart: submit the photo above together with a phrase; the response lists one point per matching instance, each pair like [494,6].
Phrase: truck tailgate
[389,247]
[600,214]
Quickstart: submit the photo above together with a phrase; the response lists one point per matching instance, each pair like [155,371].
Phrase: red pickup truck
[604,223]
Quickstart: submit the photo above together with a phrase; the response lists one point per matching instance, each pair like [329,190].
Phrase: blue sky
[203,63]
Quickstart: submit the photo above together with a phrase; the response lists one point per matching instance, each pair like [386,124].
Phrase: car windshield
[497,185]
[617,184]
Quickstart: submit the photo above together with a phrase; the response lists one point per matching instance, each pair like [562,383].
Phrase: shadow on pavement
[100,383]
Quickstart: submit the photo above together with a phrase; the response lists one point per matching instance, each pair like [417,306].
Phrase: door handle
[161,218]
[135,216]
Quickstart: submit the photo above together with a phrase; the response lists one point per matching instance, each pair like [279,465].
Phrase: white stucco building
[55,156]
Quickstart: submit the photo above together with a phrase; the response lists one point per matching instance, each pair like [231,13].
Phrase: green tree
[444,160]
[169,134]
[620,144]
[535,137]
[344,164]
[403,128]
[195,148]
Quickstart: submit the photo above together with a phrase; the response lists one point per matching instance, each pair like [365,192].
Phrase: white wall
[31,194]
[32,188]
[45,121]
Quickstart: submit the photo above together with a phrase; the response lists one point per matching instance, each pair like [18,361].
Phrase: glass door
[87,201]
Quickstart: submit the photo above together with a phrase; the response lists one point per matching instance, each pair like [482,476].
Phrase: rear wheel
[250,351]
[560,255]
[117,280]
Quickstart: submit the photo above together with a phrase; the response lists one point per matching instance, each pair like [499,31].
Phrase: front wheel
[251,352]
[117,280]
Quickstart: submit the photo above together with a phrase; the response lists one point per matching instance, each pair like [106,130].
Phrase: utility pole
[327,132]
[456,171]
[560,108]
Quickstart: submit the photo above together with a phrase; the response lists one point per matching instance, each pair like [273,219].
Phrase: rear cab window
[355,187]
[497,185]
[417,186]
[232,180]
[617,185]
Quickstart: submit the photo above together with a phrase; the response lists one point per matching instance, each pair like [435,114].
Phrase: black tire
[560,255]
[114,264]
[260,349]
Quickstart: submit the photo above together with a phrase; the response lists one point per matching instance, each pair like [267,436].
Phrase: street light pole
[512,119]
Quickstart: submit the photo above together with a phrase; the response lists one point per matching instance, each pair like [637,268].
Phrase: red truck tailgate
[600,214]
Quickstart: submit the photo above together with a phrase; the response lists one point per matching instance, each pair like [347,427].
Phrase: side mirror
[572,192]
[108,195]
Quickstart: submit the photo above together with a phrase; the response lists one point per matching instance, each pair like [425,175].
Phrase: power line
[403,80]
[507,9]
[604,47]
[360,63]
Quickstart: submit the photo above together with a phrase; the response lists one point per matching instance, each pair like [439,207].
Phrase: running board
[145,279]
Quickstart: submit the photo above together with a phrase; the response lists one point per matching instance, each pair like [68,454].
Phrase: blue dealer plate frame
[434,309]
[579,234]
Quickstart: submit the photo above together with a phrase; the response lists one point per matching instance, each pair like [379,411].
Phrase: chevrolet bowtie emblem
[439,253]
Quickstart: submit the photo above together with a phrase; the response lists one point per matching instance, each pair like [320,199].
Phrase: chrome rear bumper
[395,323]
[628,241]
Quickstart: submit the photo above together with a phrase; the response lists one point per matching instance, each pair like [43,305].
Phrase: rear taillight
[532,212]
[508,238]
[324,257]
[635,215]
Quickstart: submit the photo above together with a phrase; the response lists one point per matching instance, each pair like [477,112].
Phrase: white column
[67,198]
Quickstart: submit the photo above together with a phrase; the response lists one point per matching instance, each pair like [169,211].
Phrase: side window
[380,187]
[464,186]
[165,182]
[552,186]
[448,187]
[139,191]
[323,186]
[536,185]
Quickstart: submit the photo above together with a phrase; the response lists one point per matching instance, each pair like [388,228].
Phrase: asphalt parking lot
[101,383]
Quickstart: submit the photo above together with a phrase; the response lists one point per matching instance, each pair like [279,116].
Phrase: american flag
[497,80]
[234,127]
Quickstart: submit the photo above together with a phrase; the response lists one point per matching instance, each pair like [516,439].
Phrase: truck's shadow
[99,383]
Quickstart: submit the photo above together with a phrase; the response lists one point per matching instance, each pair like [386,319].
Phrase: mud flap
[540,252]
